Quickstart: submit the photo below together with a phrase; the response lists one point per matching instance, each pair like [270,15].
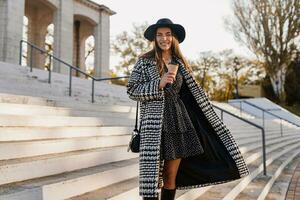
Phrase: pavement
[294,186]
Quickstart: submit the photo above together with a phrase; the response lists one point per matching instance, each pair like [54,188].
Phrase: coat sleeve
[140,87]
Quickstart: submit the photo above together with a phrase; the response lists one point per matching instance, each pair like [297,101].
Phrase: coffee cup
[172,68]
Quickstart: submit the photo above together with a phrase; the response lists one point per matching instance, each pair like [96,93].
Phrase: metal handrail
[71,67]
[263,115]
[253,124]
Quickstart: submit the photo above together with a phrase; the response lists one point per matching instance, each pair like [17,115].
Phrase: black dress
[179,137]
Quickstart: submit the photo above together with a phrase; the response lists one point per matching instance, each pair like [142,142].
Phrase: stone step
[74,183]
[26,83]
[31,110]
[278,122]
[20,149]
[59,121]
[256,170]
[62,94]
[280,187]
[190,194]
[252,156]
[278,172]
[246,146]
[232,109]
[233,123]
[32,88]
[260,185]
[87,106]
[69,104]
[110,191]
[112,107]
[269,123]
[41,133]
[13,70]
[13,150]
[22,169]
[39,166]
[28,100]
[33,133]
[15,129]
[8,98]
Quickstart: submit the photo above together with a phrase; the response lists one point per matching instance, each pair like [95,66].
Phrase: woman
[183,142]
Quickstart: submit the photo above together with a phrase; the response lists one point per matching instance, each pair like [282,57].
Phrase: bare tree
[270,29]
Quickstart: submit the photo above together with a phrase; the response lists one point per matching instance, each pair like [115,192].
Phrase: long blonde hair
[156,53]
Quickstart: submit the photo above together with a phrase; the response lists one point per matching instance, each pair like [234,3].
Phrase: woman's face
[164,38]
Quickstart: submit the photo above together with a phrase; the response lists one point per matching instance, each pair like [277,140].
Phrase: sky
[203,21]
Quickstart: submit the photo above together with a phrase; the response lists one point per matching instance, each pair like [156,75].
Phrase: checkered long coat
[143,86]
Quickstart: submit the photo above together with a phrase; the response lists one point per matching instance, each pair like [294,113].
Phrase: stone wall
[11,23]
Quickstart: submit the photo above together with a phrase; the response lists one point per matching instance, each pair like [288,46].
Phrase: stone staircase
[19,80]
[44,149]
[57,147]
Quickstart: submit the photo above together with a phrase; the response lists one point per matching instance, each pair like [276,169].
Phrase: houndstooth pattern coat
[143,86]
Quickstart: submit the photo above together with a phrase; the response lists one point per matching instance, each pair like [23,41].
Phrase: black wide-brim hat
[177,29]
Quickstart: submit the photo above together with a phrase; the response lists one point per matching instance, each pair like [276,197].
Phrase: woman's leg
[170,172]
[169,176]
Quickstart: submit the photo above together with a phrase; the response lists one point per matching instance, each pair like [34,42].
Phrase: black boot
[167,194]
[150,198]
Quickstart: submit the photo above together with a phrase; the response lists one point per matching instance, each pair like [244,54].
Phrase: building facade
[73,21]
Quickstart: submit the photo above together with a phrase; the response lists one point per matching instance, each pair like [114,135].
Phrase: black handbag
[134,143]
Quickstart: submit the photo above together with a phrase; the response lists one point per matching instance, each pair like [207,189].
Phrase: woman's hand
[166,78]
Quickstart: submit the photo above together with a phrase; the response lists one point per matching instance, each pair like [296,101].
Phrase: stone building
[73,20]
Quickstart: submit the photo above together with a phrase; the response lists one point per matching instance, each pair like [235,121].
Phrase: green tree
[203,69]
[129,46]
[233,71]
[270,29]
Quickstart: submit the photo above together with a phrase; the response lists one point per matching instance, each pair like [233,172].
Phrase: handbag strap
[136,115]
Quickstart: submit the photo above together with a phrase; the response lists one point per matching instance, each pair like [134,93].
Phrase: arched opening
[25,37]
[39,31]
[49,41]
[84,43]
[90,55]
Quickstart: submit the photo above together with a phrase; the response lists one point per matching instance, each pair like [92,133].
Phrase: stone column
[37,30]
[63,35]
[102,45]
[11,31]
[39,59]
[77,48]
[80,36]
